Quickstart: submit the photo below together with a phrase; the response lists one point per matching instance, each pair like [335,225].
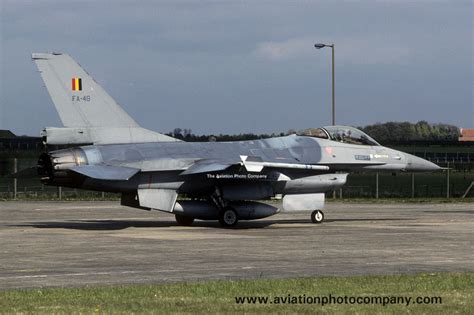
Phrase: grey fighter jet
[217,180]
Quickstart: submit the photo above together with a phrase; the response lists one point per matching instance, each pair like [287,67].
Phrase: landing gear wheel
[183,220]
[228,217]
[317,216]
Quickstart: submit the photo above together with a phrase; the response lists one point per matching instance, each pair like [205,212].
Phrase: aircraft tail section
[82,103]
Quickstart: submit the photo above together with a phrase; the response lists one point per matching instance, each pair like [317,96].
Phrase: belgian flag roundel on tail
[76,84]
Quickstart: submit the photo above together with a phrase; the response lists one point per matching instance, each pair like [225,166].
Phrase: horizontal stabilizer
[105,172]
[99,135]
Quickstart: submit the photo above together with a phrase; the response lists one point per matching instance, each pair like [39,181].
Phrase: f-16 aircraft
[217,180]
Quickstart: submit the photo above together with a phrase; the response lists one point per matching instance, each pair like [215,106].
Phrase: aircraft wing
[251,164]
[206,166]
[105,172]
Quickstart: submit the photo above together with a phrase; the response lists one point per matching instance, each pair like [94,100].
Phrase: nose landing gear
[317,216]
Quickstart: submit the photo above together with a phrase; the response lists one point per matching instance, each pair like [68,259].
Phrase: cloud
[361,51]
[287,49]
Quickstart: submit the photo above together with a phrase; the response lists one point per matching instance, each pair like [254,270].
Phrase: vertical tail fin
[79,100]
[89,114]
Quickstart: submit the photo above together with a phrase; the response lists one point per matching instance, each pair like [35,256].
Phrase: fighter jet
[221,181]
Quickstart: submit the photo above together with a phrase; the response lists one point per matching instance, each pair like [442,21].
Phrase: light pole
[319,46]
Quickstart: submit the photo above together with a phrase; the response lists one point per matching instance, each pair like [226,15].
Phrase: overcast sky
[246,66]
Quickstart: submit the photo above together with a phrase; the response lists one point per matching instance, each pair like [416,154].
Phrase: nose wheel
[317,216]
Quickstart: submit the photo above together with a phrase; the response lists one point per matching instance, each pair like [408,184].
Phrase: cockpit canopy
[343,134]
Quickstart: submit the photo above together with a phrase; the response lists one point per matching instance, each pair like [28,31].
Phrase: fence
[450,183]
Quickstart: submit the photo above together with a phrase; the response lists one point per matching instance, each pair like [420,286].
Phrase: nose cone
[416,164]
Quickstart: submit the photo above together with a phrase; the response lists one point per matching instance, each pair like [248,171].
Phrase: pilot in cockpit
[344,134]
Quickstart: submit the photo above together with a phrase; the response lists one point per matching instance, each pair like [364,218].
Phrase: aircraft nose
[416,164]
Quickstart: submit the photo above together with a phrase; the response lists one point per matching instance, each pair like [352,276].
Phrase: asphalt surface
[48,244]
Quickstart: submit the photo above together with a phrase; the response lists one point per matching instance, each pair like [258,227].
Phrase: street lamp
[319,46]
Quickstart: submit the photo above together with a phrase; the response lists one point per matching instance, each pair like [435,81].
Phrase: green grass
[455,289]
[401,200]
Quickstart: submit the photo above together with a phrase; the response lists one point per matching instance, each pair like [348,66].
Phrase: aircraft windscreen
[314,132]
[350,135]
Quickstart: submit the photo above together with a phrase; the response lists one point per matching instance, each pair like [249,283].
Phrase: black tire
[228,217]
[183,220]
[317,216]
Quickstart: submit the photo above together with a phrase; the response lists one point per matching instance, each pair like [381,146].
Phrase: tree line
[389,132]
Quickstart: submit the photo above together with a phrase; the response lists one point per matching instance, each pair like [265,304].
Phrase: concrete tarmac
[50,244]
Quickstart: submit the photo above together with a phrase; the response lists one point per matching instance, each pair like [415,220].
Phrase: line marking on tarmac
[110,273]
[104,273]
[78,207]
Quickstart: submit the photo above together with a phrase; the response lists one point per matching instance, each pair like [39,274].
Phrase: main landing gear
[317,216]
[228,217]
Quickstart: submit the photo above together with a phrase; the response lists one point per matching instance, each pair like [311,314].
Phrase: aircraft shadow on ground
[124,224]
